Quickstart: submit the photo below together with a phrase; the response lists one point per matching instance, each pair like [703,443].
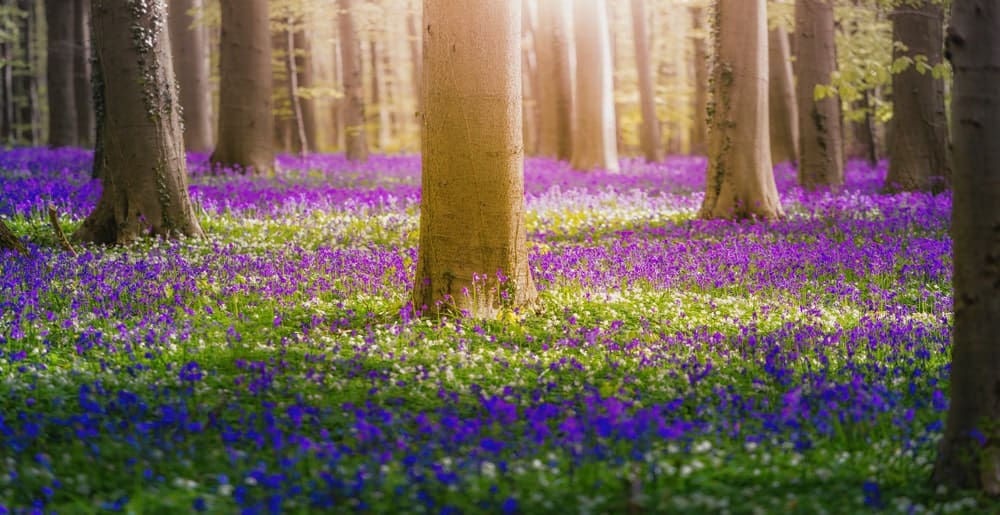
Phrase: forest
[499,256]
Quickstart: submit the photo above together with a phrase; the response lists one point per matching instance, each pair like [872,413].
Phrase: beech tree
[63,131]
[784,117]
[81,73]
[354,94]
[969,452]
[918,137]
[472,214]
[554,49]
[821,159]
[649,134]
[594,139]
[189,43]
[740,179]
[142,153]
[246,121]
[699,100]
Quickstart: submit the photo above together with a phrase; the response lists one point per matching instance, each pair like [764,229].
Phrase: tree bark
[529,81]
[28,117]
[740,178]
[413,30]
[965,460]
[81,74]
[304,67]
[554,51]
[594,144]
[60,74]
[189,42]
[918,146]
[354,95]
[861,135]
[379,95]
[292,69]
[649,134]
[472,214]
[145,183]
[784,117]
[7,96]
[246,121]
[821,160]
[699,124]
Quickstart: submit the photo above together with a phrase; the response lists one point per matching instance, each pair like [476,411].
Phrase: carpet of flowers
[674,365]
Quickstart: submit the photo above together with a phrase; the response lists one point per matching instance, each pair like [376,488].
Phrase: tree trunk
[529,81]
[304,77]
[918,147]
[472,214]
[413,29]
[969,452]
[60,76]
[784,117]
[246,121]
[189,42]
[291,68]
[354,95]
[81,71]
[860,135]
[340,105]
[821,160]
[699,124]
[554,51]
[26,83]
[649,134]
[145,183]
[379,94]
[7,96]
[594,145]
[740,180]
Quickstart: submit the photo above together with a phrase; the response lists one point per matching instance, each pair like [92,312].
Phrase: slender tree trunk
[821,160]
[340,106]
[379,93]
[246,121]
[699,124]
[472,214]
[354,96]
[969,452]
[594,145]
[616,83]
[740,178]
[145,187]
[918,147]
[304,77]
[7,95]
[189,42]
[29,118]
[60,74]
[556,86]
[81,70]
[784,117]
[649,134]
[529,81]
[291,67]
[413,29]
[860,135]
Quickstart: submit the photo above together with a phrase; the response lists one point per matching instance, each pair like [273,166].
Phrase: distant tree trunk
[413,29]
[529,81]
[918,146]
[969,452]
[554,50]
[81,70]
[472,214]
[145,186]
[860,135]
[291,68]
[189,42]
[339,107]
[821,160]
[699,125]
[7,96]
[246,121]
[60,76]
[650,131]
[616,83]
[740,178]
[784,117]
[379,96]
[26,83]
[354,95]
[304,77]
[594,133]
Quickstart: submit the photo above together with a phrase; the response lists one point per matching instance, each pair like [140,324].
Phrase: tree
[821,159]
[189,43]
[246,121]
[60,74]
[969,452]
[594,141]
[472,214]
[554,50]
[145,173]
[784,117]
[740,179]
[649,135]
[81,73]
[699,123]
[354,95]
[918,138]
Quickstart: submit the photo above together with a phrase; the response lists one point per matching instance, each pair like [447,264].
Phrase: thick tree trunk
[145,184]
[554,50]
[81,71]
[969,453]
[699,124]
[189,42]
[60,77]
[304,77]
[246,121]
[918,146]
[649,134]
[472,214]
[784,117]
[740,178]
[354,95]
[594,144]
[821,160]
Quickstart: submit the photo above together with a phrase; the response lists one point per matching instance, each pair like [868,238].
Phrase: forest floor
[675,365]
